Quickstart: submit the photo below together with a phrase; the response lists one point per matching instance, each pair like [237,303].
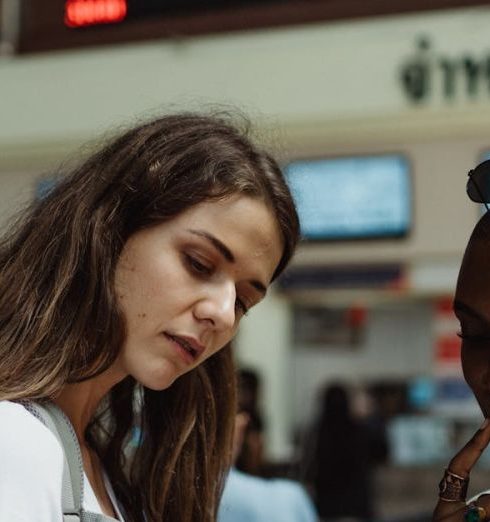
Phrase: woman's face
[472,306]
[184,285]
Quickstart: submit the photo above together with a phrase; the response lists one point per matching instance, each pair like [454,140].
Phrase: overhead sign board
[64,24]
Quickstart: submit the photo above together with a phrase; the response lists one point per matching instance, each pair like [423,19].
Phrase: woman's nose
[218,306]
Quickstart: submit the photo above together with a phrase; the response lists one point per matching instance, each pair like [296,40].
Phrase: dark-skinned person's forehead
[476,258]
[478,245]
[474,273]
[482,229]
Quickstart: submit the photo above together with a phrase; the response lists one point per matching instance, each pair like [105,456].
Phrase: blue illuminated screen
[352,197]
[418,439]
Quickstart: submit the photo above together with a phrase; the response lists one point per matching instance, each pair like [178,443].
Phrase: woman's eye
[197,266]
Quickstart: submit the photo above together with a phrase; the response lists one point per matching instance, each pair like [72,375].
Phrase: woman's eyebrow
[226,253]
[218,245]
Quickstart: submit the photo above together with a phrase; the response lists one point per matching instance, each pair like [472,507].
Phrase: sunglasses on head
[478,185]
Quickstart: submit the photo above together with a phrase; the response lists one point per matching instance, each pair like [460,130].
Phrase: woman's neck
[79,401]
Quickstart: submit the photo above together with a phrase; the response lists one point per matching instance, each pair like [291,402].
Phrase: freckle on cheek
[142,315]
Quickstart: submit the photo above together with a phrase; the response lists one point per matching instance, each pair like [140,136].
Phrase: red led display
[82,13]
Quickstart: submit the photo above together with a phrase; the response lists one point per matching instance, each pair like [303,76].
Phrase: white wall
[16,190]
[311,73]
[264,344]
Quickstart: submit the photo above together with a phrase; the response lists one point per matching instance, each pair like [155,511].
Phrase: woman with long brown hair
[119,294]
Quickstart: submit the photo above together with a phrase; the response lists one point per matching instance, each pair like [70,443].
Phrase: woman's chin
[159,377]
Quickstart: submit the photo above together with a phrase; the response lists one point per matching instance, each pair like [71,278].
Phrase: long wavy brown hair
[60,321]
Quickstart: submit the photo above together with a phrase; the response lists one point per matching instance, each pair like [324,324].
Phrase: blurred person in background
[250,458]
[472,308]
[248,498]
[120,291]
[341,458]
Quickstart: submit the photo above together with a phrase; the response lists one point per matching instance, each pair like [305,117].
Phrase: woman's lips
[187,351]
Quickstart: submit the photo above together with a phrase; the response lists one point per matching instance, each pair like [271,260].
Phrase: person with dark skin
[472,308]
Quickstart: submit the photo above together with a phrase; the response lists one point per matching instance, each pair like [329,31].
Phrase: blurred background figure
[343,450]
[248,498]
[250,458]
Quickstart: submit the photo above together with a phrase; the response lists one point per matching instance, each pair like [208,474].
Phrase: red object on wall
[448,348]
[356,316]
[82,13]
[444,306]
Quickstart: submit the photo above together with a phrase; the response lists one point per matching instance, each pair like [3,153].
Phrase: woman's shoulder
[31,467]
[25,439]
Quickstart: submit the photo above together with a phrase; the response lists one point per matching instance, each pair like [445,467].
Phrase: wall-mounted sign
[328,327]
[389,277]
[429,70]
[62,24]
